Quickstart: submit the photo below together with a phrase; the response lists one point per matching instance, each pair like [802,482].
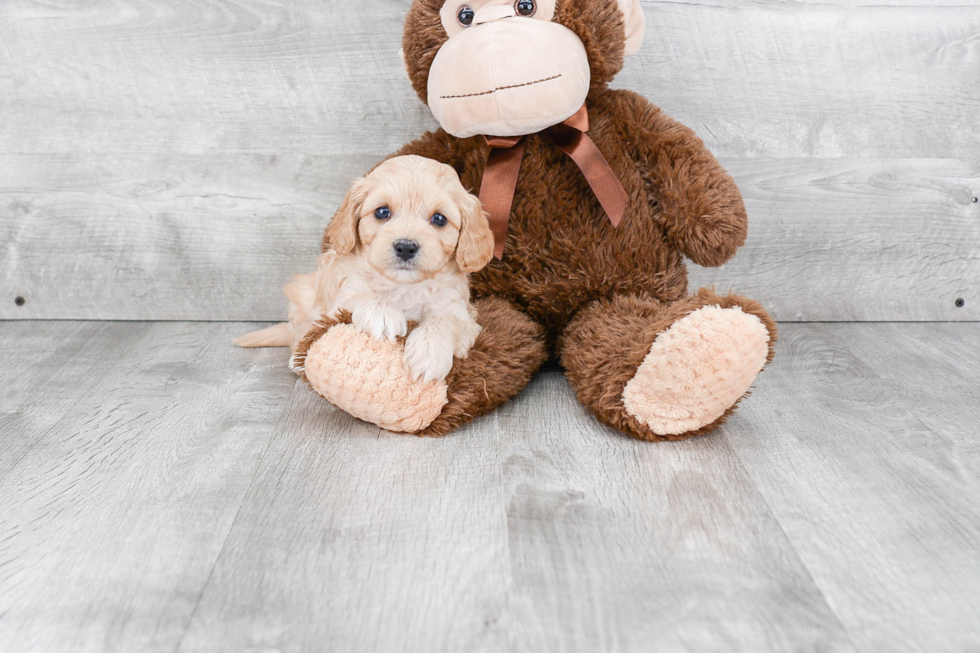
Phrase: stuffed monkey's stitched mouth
[500,88]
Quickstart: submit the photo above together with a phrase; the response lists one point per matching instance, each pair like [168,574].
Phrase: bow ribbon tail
[498,186]
[504,167]
[585,153]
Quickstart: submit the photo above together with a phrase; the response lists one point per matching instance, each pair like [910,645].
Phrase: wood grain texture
[169,237]
[26,350]
[216,237]
[355,540]
[510,536]
[177,161]
[620,546]
[841,240]
[788,80]
[863,441]
[773,80]
[163,491]
[125,458]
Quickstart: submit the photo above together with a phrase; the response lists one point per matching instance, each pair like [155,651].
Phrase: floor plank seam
[796,551]
[51,429]
[283,416]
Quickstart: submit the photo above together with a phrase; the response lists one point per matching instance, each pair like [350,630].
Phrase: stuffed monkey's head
[515,67]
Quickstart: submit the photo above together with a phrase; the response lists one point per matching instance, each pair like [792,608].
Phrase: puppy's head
[410,217]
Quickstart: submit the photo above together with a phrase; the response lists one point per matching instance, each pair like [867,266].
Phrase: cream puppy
[400,247]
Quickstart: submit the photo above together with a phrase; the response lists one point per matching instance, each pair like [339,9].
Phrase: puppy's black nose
[406,249]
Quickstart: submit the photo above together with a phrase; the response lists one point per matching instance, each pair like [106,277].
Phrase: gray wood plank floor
[163,491]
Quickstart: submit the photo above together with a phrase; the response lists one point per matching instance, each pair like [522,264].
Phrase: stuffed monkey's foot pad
[697,369]
[367,378]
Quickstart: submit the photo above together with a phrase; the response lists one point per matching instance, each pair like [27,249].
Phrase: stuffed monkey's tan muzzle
[508,76]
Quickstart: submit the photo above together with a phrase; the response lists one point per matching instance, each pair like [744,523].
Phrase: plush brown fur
[316,332]
[508,351]
[604,345]
[506,354]
[600,294]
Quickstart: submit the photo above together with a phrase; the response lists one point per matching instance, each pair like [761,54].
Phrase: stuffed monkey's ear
[475,247]
[342,231]
[636,25]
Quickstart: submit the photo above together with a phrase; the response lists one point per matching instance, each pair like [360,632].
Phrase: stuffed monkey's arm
[700,206]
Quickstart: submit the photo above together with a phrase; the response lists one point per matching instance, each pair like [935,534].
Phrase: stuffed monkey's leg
[367,377]
[666,371]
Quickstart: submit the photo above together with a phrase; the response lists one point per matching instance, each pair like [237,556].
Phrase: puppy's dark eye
[465,16]
[526,7]
[382,213]
[439,220]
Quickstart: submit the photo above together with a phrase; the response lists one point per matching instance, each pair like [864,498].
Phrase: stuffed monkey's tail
[280,335]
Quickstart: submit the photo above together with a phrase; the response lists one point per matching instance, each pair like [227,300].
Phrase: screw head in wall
[20,301]
[960,303]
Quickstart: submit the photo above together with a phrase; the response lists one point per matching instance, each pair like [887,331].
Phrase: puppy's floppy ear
[475,247]
[342,231]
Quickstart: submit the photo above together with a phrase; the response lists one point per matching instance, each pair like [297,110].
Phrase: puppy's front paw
[466,337]
[427,356]
[380,321]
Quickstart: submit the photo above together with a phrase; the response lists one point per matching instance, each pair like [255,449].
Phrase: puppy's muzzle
[406,249]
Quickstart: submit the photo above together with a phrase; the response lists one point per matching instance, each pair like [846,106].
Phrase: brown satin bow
[504,166]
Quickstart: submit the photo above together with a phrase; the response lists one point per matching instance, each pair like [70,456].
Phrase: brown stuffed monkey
[594,197]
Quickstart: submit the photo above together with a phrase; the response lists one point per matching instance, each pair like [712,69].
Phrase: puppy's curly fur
[401,245]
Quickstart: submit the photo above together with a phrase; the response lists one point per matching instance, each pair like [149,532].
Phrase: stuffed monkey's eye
[465,16]
[438,220]
[382,213]
[526,7]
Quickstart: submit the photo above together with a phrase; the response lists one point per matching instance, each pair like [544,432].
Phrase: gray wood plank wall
[163,160]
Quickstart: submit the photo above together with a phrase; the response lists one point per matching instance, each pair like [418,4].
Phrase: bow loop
[504,166]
